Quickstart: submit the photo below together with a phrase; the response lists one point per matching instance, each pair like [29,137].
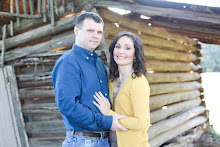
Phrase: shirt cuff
[107,122]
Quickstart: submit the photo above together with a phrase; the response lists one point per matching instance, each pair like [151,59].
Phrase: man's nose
[95,34]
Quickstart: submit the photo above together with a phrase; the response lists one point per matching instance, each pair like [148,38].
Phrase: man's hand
[116,126]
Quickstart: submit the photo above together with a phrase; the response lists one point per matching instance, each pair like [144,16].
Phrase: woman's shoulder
[140,79]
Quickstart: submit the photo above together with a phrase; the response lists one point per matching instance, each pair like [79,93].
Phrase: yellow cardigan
[132,100]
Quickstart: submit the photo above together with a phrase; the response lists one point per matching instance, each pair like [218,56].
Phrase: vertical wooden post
[15,106]
[24,6]
[11,22]
[39,6]
[52,13]
[31,5]
[72,5]
[17,11]
[44,11]
[3,46]
[56,7]
[64,5]
[48,6]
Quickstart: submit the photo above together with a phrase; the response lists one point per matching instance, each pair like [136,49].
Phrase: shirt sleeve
[67,85]
[139,96]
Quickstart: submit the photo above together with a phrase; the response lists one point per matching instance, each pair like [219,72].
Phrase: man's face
[90,35]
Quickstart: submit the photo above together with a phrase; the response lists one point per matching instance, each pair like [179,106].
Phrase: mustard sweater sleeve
[139,96]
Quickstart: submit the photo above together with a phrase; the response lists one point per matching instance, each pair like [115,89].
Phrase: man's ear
[76,30]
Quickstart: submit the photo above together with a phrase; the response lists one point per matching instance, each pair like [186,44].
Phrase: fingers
[97,105]
[97,99]
[120,116]
[99,96]
[121,128]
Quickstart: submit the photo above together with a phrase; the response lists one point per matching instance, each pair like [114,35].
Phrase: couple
[82,95]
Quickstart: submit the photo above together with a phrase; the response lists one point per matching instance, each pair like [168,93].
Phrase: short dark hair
[81,17]
[139,63]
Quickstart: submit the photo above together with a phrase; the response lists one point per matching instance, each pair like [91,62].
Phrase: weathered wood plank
[63,41]
[142,27]
[171,123]
[156,89]
[13,95]
[161,114]
[166,66]
[9,130]
[46,30]
[164,12]
[172,77]
[162,138]
[165,99]
[14,15]
[46,142]
[40,109]
[153,41]
[47,127]
[38,92]
[3,46]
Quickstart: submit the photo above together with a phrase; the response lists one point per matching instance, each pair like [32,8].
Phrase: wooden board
[10,135]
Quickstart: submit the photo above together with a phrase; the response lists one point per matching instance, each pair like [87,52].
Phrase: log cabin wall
[173,71]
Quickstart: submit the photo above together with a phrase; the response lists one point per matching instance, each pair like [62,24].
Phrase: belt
[91,134]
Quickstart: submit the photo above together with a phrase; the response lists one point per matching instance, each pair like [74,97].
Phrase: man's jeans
[73,140]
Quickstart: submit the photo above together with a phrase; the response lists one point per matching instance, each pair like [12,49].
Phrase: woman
[128,90]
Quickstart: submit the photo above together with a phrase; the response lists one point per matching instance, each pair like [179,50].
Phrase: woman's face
[124,51]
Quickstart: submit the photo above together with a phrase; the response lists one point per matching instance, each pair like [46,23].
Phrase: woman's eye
[117,46]
[127,48]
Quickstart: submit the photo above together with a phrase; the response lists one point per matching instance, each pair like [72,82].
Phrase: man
[77,75]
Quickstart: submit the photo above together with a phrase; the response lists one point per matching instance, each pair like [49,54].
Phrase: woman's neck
[124,71]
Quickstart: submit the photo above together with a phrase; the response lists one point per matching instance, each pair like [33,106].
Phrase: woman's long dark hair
[138,64]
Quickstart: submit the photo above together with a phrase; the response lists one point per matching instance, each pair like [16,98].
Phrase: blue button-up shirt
[77,75]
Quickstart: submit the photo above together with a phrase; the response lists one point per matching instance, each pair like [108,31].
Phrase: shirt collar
[85,53]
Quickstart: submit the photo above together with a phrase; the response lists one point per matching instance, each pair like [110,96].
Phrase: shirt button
[105,94]
[100,81]
[87,58]
[91,54]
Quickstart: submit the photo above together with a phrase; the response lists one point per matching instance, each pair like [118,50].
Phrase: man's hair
[139,65]
[81,17]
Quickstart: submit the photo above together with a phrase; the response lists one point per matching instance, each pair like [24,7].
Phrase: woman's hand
[103,104]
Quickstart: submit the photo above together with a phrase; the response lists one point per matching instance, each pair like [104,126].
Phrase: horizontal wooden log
[161,114]
[156,65]
[142,27]
[15,15]
[165,99]
[162,138]
[190,137]
[45,127]
[50,62]
[34,34]
[164,12]
[62,42]
[153,41]
[38,92]
[166,125]
[29,77]
[40,109]
[156,89]
[172,77]
[46,141]
[163,54]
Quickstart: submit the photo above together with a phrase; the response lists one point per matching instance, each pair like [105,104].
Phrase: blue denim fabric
[84,141]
